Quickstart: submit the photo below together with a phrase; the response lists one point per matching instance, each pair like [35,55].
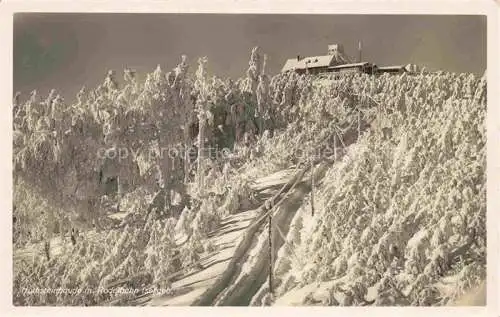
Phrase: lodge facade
[336,61]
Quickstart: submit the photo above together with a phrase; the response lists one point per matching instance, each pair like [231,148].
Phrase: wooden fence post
[271,290]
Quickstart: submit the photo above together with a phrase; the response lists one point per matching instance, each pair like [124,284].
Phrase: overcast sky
[66,51]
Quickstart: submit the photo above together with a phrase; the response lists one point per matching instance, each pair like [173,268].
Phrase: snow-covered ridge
[395,214]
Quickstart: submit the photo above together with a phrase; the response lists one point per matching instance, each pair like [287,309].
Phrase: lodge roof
[309,62]
[393,67]
[349,65]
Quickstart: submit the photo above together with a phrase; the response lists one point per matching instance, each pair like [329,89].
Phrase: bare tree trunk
[335,148]
[94,208]
[201,154]
[359,123]
[166,173]
[61,232]
[187,151]
[51,221]
[118,192]
[47,249]
[50,232]
[62,229]
[261,125]
[62,222]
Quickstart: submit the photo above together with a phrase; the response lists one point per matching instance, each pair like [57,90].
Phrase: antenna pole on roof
[359,50]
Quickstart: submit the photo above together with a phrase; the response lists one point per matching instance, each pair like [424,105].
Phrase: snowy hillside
[374,188]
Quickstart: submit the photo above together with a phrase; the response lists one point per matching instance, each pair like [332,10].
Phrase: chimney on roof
[298,58]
